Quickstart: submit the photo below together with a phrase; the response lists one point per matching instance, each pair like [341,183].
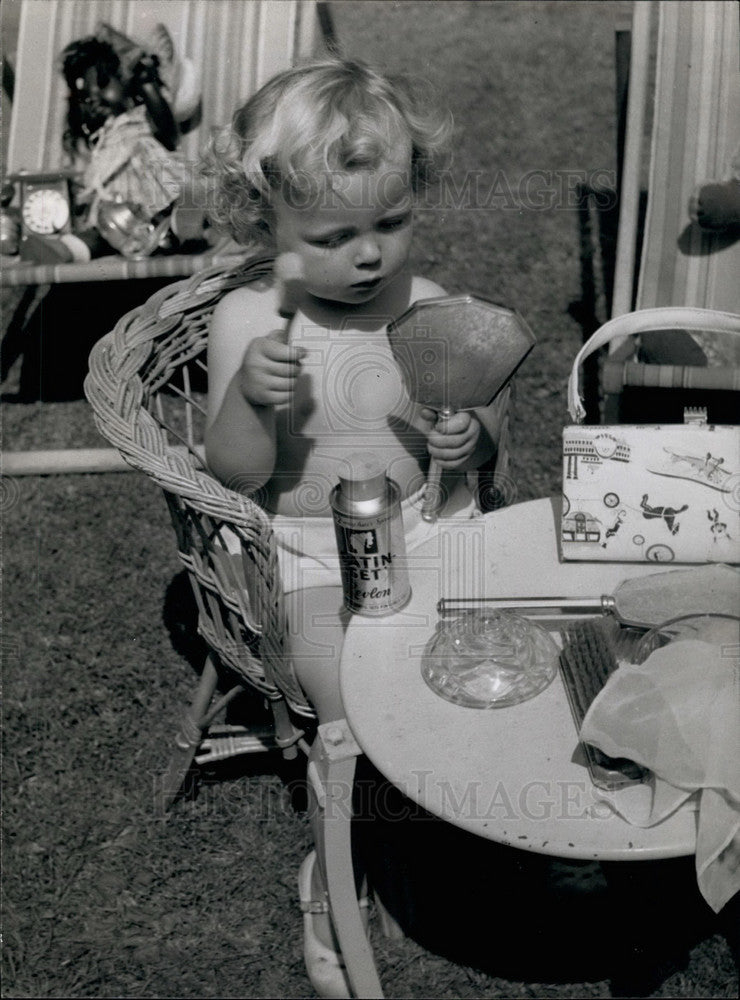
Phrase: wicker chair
[146,385]
[143,387]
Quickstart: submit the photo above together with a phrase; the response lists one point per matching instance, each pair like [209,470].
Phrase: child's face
[353,238]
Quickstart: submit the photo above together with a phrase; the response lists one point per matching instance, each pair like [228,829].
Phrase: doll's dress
[128,164]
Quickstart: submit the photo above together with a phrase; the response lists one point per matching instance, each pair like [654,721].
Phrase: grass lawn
[101,899]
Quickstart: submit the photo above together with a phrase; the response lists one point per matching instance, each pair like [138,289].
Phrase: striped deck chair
[695,132]
[236,46]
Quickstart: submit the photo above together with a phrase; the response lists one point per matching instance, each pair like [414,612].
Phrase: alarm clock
[45,207]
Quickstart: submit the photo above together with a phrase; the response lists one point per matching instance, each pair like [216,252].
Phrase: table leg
[332,777]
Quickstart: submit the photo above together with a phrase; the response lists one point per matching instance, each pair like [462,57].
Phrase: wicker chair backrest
[147,388]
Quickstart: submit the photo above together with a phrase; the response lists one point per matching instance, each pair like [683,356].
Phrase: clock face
[45,211]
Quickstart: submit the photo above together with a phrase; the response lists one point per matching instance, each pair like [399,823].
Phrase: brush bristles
[588,658]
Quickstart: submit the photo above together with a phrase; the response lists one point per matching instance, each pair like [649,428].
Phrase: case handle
[642,321]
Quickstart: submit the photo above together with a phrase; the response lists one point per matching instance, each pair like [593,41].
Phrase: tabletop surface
[515,775]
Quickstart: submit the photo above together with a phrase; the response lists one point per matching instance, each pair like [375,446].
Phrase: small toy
[122,135]
[127,228]
[715,205]
[43,218]
[45,208]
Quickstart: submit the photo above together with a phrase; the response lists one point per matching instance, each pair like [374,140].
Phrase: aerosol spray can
[372,552]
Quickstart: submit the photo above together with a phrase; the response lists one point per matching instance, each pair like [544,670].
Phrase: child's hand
[452,441]
[269,370]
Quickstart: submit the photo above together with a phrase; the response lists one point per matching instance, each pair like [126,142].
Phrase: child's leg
[318,621]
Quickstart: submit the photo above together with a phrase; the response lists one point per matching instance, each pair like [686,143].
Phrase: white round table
[514,775]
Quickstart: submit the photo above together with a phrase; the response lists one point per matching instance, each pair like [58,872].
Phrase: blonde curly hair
[305,124]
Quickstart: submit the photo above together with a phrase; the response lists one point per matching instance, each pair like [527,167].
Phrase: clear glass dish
[489,659]
[716,629]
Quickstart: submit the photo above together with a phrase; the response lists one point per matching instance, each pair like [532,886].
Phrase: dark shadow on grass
[55,340]
[484,905]
[526,917]
[598,227]
[249,708]
[180,616]
[662,916]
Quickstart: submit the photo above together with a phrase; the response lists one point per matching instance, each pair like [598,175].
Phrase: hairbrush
[590,655]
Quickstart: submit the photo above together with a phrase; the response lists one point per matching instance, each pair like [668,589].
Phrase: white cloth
[678,714]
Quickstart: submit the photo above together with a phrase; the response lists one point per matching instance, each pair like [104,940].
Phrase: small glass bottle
[366,505]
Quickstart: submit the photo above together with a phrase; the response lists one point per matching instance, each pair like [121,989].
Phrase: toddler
[323,164]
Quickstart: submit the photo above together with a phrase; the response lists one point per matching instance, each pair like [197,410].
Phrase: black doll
[121,131]
[101,87]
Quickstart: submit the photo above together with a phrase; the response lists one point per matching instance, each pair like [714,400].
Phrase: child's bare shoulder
[252,310]
[407,290]
[424,288]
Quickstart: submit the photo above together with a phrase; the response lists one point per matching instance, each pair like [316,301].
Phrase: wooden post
[629,200]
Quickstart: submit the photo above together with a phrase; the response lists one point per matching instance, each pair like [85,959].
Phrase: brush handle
[433,492]
[282,333]
[605,603]
[433,495]
[287,313]
[289,277]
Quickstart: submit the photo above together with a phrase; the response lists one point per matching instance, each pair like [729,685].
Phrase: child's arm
[249,373]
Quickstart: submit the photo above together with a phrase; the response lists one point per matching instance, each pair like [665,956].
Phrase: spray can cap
[363,476]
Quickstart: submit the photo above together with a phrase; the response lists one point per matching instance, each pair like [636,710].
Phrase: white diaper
[307,546]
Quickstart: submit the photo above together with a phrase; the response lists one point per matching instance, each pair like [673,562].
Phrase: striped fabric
[112,268]
[696,133]
[237,44]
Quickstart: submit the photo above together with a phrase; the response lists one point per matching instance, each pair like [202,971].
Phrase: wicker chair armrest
[130,370]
